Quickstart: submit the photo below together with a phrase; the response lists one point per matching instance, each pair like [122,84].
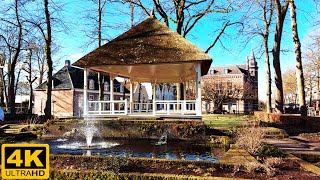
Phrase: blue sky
[202,35]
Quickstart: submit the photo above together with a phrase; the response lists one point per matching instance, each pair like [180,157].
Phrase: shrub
[219,141]
[252,167]
[250,139]
[270,151]
[273,162]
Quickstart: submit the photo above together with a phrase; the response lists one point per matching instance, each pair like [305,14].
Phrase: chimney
[67,63]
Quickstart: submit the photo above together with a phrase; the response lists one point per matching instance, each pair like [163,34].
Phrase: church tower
[253,68]
[253,74]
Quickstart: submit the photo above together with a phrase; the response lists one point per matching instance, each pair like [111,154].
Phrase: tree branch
[221,32]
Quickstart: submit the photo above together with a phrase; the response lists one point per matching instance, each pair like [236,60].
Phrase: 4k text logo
[25,161]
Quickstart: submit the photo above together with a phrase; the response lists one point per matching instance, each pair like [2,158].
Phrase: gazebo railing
[162,107]
[143,107]
[118,107]
[175,107]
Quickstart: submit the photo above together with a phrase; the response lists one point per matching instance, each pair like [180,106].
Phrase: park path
[295,145]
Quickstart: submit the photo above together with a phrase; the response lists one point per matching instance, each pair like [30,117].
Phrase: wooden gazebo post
[154,108]
[111,93]
[131,97]
[199,105]
[85,91]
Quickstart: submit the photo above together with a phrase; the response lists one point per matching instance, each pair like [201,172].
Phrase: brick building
[243,78]
[67,92]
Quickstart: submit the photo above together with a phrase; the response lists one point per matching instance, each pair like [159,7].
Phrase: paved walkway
[237,157]
[296,145]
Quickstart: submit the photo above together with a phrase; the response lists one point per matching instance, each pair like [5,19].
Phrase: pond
[174,150]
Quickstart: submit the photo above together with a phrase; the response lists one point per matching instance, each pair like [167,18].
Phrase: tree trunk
[11,91]
[268,74]
[281,14]
[41,67]
[47,110]
[297,50]
[101,87]
[30,85]
[131,14]
[5,90]
[2,85]
[100,83]
[180,16]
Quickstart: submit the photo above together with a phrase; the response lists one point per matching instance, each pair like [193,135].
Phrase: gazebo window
[91,98]
[91,84]
[106,86]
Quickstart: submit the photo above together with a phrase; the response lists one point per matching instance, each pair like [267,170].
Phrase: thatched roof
[150,42]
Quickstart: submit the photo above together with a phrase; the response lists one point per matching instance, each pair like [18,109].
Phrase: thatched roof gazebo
[149,52]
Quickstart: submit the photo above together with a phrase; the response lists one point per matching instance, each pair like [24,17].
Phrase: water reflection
[137,148]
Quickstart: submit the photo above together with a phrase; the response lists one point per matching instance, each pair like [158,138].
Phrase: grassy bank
[229,121]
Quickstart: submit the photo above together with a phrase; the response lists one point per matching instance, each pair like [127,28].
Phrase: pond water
[182,150]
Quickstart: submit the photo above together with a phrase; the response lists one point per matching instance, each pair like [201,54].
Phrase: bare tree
[14,49]
[281,11]
[311,68]
[218,92]
[289,86]
[48,42]
[267,9]
[40,62]
[297,50]
[184,14]
[2,80]
[94,31]
[28,68]
[101,7]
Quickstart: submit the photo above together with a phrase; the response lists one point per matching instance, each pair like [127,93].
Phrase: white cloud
[76,56]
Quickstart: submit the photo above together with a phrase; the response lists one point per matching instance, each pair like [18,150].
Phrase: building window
[106,98]
[106,86]
[211,71]
[226,71]
[121,88]
[91,98]
[91,84]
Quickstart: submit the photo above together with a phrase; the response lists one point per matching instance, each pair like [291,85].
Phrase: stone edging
[307,166]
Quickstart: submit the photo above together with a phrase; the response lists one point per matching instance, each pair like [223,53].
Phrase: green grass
[224,120]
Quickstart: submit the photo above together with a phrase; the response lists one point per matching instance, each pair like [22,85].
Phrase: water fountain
[86,140]
[163,139]
[87,130]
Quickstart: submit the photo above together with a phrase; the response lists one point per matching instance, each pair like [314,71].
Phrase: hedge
[88,175]
[97,160]
[298,121]
[97,167]
[134,129]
